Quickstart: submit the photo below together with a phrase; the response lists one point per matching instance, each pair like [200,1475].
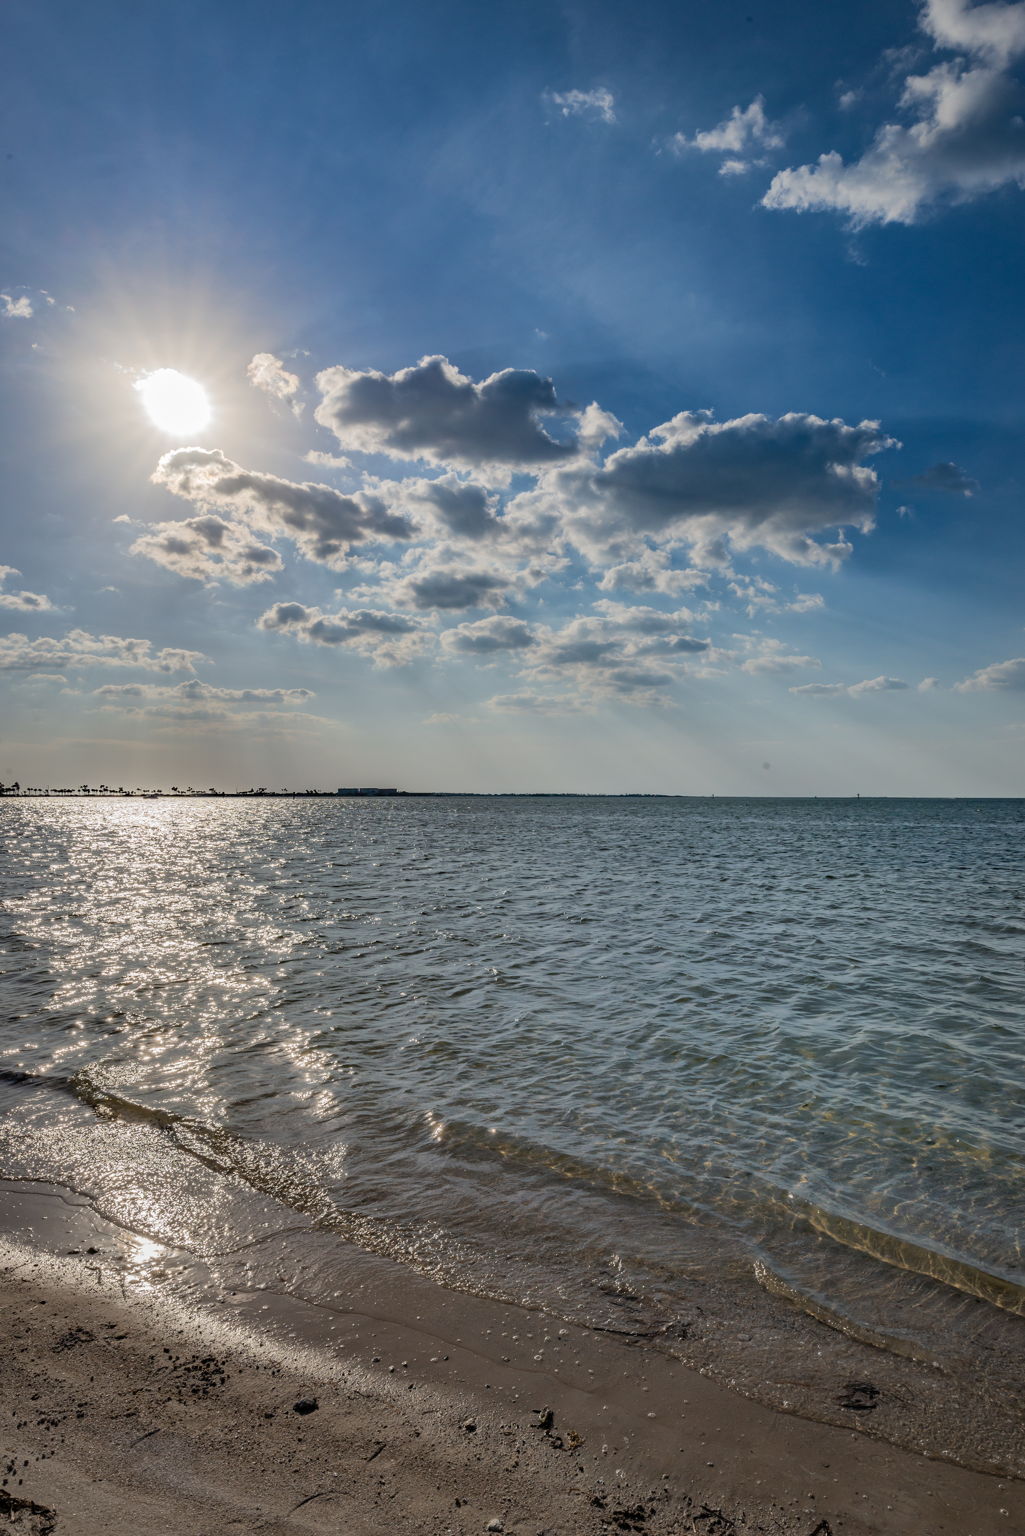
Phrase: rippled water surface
[703,1071]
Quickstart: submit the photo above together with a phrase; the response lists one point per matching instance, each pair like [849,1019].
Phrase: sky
[554,397]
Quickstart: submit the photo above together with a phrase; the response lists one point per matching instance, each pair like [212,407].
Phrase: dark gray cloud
[388,639]
[434,412]
[753,480]
[322,522]
[463,511]
[450,588]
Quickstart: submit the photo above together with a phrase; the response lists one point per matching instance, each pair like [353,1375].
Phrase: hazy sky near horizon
[601,396]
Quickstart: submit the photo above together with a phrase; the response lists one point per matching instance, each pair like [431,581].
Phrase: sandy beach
[127,1409]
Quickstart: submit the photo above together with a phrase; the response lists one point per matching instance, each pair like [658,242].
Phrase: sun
[173,402]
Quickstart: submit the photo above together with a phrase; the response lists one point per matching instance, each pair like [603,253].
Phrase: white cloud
[964,133]
[598,104]
[16,309]
[534,704]
[435,413]
[328,460]
[486,637]
[852,690]
[773,659]
[322,522]
[652,571]
[388,639]
[822,690]
[761,596]
[634,618]
[878,685]
[632,653]
[267,372]
[745,129]
[209,549]
[998,677]
[78,648]
[153,698]
[23,602]
[993,31]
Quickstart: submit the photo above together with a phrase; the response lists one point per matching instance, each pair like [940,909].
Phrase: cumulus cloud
[388,639]
[963,132]
[620,651]
[947,477]
[998,677]
[22,602]
[323,523]
[485,637]
[821,690]
[636,619]
[328,460]
[852,690]
[146,696]
[878,685]
[993,31]
[78,648]
[16,309]
[652,570]
[534,704]
[435,413]
[599,104]
[761,596]
[773,659]
[209,549]
[267,372]
[450,588]
[745,129]
[753,481]
[455,509]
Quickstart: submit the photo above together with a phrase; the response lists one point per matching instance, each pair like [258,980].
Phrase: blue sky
[602,397]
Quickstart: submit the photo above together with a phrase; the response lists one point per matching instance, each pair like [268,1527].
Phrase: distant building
[366,791]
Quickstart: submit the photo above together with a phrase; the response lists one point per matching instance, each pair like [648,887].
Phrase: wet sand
[128,1409]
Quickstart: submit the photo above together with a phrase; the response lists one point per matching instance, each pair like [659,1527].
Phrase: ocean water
[739,1079]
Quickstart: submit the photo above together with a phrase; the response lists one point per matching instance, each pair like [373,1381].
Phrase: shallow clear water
[685,1068]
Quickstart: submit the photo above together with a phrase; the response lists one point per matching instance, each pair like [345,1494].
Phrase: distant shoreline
[464,794]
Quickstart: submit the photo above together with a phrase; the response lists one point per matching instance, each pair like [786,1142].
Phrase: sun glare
[173,402]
